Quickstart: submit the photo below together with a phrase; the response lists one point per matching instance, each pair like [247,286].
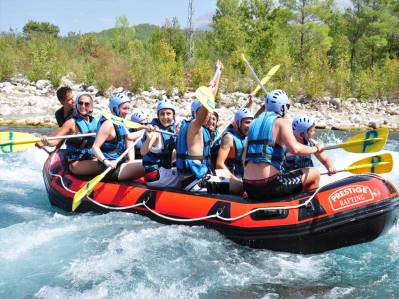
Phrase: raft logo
[350,196]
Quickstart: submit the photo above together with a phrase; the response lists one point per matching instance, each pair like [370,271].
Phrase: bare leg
[85,167]
[310,178]
[131,170]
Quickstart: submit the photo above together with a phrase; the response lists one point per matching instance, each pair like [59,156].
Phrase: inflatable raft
[350,211]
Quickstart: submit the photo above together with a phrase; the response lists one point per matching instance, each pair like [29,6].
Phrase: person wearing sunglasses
[79,154]
[264,154]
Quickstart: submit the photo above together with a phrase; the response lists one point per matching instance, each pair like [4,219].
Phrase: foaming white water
[22,167]
[27,213]
[178,261]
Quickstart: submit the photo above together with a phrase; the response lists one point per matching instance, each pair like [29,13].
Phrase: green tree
[123,35]
[227,32]
[33,27]
[309,29]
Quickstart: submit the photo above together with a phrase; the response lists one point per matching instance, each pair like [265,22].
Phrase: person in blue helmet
[140,117]
[112,140]
[304,129]
[193,146]
[158,149]
[232,144]
[268,135]
[78,150]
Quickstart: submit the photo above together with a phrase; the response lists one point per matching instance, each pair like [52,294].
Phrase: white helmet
[277,101]
[301,124]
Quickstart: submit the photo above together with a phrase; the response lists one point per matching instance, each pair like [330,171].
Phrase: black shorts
[276,186]
[113,174]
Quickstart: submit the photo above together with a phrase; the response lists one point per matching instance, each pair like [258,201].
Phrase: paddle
[205,96]
[251,70]
[11,142]
[89,186]
[375,164]
[365,142]
[130,124]
[264,80]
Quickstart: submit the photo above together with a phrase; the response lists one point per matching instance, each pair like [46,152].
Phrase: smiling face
[166,117]
[124,109]
[84,105]
[212,122]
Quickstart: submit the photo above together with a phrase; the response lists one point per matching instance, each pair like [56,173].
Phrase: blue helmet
[194,107]
[117,100]
[138,116]
[77,97]
[301,125]
[240,115]
[165,104]
[277,101]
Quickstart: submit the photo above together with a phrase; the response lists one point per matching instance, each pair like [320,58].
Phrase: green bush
[8,56]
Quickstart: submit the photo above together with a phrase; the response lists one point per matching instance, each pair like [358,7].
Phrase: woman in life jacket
[158,149]
[78,150]
[112,140]
[304,130]
[140,117]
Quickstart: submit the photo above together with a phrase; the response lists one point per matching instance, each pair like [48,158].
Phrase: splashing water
[47,253]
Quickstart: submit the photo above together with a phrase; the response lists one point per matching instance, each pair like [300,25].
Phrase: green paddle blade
[205,96]
[375,164]
[11,142]
[121,121]
[367,142]
[86,189]
[266,79]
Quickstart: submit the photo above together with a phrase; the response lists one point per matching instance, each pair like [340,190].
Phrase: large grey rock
[41,84]
[336,103]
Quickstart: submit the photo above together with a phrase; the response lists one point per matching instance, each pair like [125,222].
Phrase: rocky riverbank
[34,103]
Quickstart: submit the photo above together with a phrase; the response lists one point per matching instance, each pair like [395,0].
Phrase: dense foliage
[323,50]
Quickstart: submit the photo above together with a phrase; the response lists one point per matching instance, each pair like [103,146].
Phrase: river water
[47,253]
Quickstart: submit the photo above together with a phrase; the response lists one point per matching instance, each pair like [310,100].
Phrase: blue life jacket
[138,145]
[80,148]
[112,149]
[261,145]
[235,164]
[215,147]
[184,161]
[297,162]
[152,161]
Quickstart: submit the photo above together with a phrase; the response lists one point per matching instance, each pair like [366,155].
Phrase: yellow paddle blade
[266,79]
[11,142]
[85,190]
[366,142]
[121,121]
[205,96]
[375,164]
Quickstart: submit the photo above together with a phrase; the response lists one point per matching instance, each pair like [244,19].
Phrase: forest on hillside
[322,50]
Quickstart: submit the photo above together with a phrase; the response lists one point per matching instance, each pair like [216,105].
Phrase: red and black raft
[350,211]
